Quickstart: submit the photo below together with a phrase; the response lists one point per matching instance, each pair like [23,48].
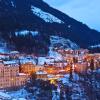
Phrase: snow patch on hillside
[25,32]
[19,95]
[3,47]
[12,3]
[62,42]
[54,54]
[95,46]
[44,15]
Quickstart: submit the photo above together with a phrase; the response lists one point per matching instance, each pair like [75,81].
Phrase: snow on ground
[55,95]
[54,54]
[95,46]
[3,47]
[77,92]
[56,40]
[18,95]
[3,50]
[77,88]
[4,96]
[98,71]
[44,15]
[75,76]
[65,79]
[14,62]
[25,32]
[12,3]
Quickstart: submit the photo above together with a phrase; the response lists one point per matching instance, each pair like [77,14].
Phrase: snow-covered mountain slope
[60,42]
[95,46]
[45,16]
[57,41]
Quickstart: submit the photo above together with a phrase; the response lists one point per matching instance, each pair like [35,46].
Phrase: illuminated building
[10,76]
[41,75]
[27,68]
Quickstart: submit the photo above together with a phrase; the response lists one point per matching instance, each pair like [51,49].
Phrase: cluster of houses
[15,71]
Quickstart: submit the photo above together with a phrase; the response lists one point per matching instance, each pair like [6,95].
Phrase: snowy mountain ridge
[45,16]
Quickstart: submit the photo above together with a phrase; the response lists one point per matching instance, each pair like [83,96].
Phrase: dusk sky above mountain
[85,11]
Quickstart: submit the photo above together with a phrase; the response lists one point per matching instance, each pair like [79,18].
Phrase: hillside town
[61,68]
[16,69]
[49,50]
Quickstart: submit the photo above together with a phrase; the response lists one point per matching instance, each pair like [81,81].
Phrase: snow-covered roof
[21,99]
[24,60]
[14,52]
[51,76]
[10,62]
[42,60]
[41,72]
[21,74]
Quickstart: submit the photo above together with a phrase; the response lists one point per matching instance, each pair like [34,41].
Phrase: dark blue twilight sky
[86,11]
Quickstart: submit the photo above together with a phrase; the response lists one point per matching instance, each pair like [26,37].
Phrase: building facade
[10,76]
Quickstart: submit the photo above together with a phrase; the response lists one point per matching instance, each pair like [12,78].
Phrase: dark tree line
[28,43]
